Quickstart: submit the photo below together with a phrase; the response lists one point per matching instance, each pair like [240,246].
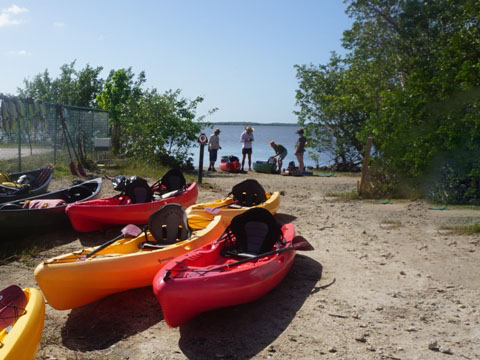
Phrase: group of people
[246,138]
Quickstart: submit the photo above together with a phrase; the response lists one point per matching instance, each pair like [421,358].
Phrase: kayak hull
[272,204]
[183,294]
[100,214]
[19,220]
[42,175]
[23,339]
[68,282]
[233,167]
[264,167]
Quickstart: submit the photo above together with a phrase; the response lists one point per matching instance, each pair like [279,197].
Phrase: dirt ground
[384,282]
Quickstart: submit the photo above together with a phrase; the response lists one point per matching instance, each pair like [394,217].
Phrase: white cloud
[19,53]
[58,24]
[9,17]
[14,9]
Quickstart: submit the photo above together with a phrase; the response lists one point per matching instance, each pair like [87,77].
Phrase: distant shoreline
[252,123]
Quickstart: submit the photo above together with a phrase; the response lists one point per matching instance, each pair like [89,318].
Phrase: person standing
[300,148]
[280,152]
[213,146]
[246,139]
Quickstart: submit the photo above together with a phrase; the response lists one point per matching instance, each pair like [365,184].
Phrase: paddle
[128,231]
[216,210]
[298,243]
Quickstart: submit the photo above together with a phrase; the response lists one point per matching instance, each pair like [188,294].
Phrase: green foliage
[411,79]
[72,87]
[332,122]
[161,128]
[120,89]
[463,229]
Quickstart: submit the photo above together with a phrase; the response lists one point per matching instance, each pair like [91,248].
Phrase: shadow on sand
[40,239]
[241,332]
[93,327]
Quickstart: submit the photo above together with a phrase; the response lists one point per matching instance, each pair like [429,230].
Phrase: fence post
[55,140]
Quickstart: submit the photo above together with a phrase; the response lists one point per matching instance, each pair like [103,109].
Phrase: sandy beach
[384,282]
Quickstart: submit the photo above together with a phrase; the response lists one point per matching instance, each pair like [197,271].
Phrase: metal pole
[200,164]
[19,145]
[55,141]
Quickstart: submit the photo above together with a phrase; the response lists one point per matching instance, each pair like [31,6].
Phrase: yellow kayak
[21,340]
[72,280]
[228,209]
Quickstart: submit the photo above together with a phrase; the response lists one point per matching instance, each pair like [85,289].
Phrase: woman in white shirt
[246,139]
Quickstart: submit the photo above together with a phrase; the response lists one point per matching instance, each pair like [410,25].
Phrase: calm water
[231,145]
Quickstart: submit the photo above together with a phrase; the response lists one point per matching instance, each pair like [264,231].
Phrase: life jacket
[4,178]
[42,204]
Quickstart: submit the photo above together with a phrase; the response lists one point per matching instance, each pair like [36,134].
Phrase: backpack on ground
[248,193]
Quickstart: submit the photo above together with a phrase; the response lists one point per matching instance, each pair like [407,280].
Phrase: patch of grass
[471,229]
[345,196]
[391,223]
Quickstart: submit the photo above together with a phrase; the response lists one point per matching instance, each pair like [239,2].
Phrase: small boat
[230,163]
[240,199]
[264,167]
[21,185]
[81,277]
[22,314]
[47,210]
[245,263]
[93,215]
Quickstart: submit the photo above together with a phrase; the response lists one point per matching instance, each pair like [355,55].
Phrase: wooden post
[364,179]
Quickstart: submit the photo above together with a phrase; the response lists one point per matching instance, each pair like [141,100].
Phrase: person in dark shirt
[213,147]
[280,152]
[300,148]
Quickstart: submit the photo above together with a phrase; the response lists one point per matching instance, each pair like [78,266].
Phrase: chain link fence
[35,133]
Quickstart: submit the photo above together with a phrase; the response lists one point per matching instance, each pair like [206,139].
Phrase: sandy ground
[12,153]
[384,282]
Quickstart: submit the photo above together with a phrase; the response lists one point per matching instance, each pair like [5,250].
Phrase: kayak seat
[10,206]
[248,193]
[12,305]
[43,176]
[78,192]
[169,224]
[173,180]
[255,232]
[138,190]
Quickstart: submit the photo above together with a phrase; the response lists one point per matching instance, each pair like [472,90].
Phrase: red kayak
[235,269]
[230,163]
[100,214]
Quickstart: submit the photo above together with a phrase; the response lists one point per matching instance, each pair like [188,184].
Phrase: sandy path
[383,283]
[12,153]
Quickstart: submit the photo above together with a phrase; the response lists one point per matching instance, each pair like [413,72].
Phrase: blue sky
[239,55]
